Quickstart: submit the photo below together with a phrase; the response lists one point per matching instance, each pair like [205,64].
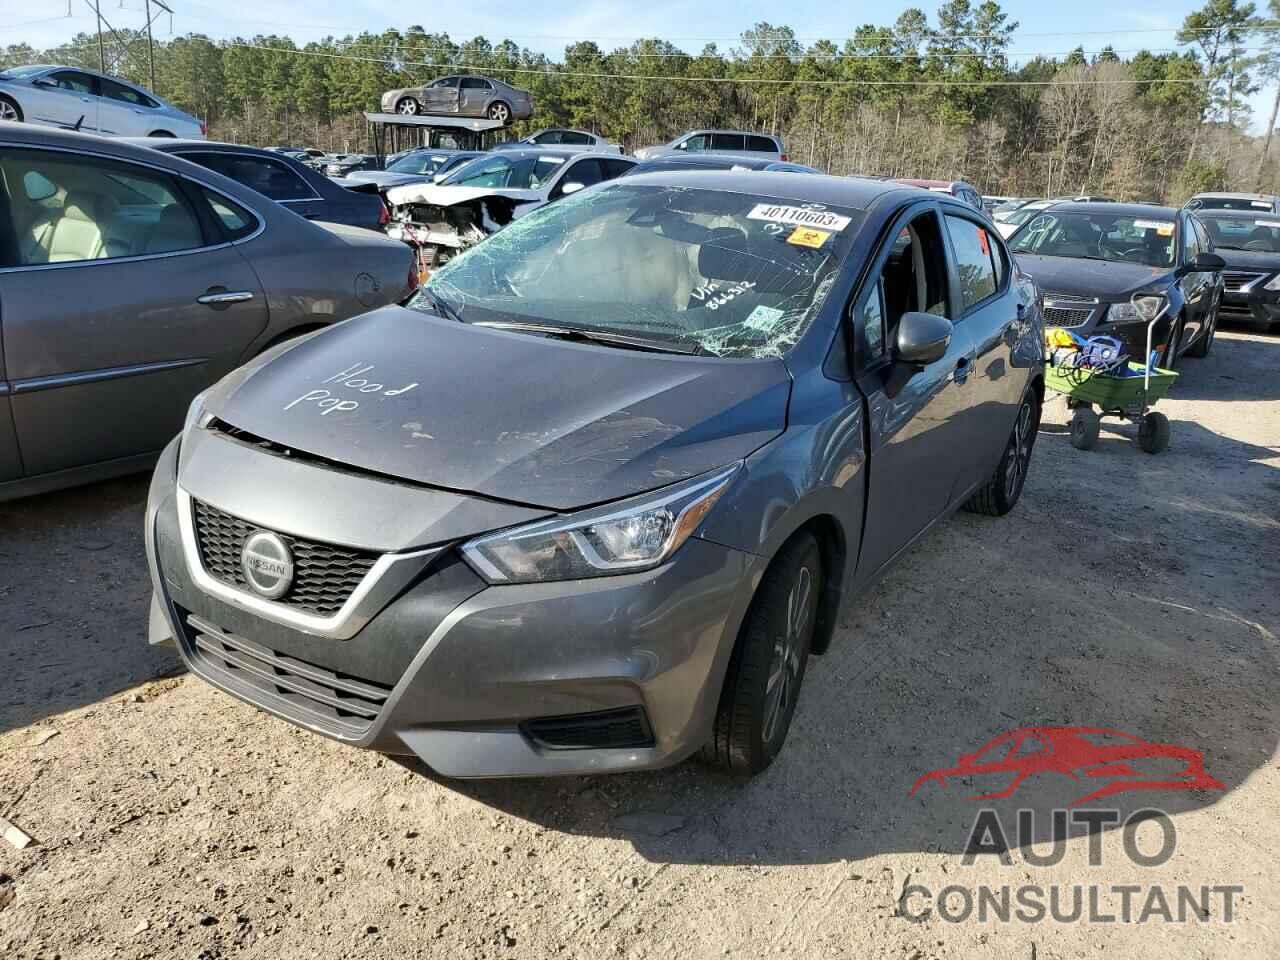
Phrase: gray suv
[591,500]
[742,143]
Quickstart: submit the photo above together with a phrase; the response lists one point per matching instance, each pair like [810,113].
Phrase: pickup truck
[592,497]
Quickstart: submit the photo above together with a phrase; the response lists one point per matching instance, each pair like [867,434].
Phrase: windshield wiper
[443,306]
[650,344]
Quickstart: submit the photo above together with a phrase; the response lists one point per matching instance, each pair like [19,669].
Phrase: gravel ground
[1127,591]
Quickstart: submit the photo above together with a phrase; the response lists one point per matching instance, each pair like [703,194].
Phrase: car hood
[511,416]
[443,196]
[1090,278]
[385,178]
[1248,259]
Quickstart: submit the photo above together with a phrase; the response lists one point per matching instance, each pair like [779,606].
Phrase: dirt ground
[1127,591]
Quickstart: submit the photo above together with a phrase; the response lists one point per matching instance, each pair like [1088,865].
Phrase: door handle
[226,296]
[962,370]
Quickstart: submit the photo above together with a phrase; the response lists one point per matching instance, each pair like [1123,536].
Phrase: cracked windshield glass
[697,271]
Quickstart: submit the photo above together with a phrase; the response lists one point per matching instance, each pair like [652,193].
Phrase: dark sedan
[281,178]
[131,280]
[1250,245]
[1092,260]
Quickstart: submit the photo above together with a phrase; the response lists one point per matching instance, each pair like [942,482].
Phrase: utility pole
[102,51]
[151,49]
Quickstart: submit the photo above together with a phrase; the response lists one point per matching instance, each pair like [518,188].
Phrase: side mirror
[1207,263]
[571,187]
[923,338]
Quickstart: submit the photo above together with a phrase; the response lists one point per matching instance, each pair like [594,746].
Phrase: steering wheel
[1134,253]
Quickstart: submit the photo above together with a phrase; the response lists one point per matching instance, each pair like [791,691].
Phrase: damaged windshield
[524,173]
[730,274]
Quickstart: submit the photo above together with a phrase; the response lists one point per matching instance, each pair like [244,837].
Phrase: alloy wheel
[500,112]
[8,111]
[784,669]
[1019,453]
[408,107]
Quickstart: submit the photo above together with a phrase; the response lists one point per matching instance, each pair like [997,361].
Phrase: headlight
[1139,310]
[636,534]
[197,416]
[1273,284]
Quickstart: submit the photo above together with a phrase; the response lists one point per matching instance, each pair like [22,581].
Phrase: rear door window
[727,141]
[475,83]
[271,178]
[118,91]
[759,144]
[572,136]
[616,168]
[973,250]
[70,209]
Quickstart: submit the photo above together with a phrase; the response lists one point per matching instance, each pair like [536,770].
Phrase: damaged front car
[588,502]
[481,197]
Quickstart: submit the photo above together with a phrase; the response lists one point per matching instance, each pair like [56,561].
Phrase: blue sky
[1045,27]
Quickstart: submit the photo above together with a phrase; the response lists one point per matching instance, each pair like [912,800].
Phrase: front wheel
[9,109]
[1200,349]
[767,667]
[500,111]
[408,107]
[1000,493]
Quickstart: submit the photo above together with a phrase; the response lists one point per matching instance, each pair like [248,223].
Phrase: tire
[408,106]
[499,111]
[1169,359]
[1001,492]
[1085,427]
[1200,349]
[160,133]
[9,109]
[1153,432]
[754,714]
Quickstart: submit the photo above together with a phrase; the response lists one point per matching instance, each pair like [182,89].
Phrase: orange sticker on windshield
[984,243]
[808,237]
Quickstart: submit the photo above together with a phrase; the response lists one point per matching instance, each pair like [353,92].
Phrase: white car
[1009,221]
[77,99]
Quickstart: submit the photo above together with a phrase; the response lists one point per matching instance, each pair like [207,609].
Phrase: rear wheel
[499,111]
[1153,432]
[9,109]
[1002,491]
[768,663]
[408,106]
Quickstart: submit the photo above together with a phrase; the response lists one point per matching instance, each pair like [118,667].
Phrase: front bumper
[1089,320]
[1255,306]
[458,672]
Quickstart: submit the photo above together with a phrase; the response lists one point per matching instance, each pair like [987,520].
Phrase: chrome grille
[1069,299]
[335,701]
[1063,317]
[1233,281]
[324,575]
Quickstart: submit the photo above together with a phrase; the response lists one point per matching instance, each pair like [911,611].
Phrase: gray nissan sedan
[593,498]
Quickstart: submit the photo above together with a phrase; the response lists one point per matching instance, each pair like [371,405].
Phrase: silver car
[741,143]
[463,95]
[562,138]
[130,280]
[79,99]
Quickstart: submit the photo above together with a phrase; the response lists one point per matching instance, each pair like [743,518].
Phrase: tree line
[921,97]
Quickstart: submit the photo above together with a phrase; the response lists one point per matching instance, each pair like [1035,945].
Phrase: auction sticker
[808,237]
[763,318]
[1162,227]
[798,216]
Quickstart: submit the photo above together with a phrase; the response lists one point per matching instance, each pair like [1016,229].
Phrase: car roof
[749,133]
[858,193]
[1226,195]
[1116,209]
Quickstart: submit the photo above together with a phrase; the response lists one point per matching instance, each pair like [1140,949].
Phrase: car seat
[67,235]
[175,230]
